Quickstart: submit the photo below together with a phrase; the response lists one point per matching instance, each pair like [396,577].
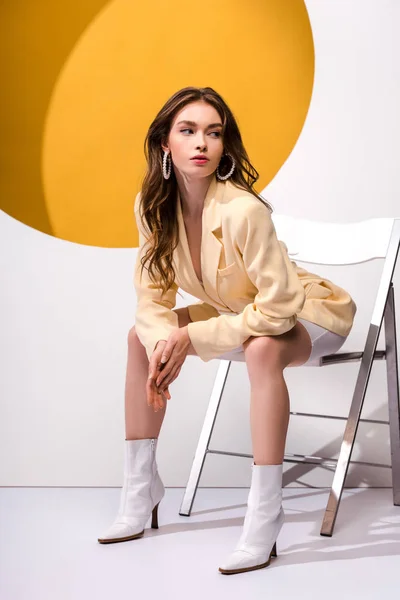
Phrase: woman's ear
[164,146]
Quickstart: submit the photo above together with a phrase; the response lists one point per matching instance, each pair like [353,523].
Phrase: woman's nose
[201,141]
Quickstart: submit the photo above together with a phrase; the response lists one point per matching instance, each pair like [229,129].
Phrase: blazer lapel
[211,245]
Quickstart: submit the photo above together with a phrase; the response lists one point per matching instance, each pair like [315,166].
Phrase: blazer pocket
[316,290]
[227,270]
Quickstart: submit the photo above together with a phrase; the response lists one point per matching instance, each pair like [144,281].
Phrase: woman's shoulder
[241,204]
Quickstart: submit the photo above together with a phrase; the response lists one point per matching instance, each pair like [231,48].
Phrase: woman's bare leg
[141,422]
[266,359]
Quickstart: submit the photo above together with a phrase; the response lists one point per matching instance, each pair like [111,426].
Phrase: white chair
[317,243]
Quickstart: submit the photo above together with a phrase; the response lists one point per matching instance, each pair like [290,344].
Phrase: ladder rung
[341,357]
[303,458]
[304,414]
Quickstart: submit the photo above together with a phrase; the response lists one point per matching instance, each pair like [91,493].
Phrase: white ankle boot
[141,493]
[262,524]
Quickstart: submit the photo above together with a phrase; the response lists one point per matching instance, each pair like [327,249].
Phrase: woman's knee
[289,349]
[266,349]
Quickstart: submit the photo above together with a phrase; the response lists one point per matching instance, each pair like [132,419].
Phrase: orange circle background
[81,160]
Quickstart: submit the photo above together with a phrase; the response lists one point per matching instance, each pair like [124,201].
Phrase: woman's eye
[217,132]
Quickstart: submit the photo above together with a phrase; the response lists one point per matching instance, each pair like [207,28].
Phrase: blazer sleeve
[154,319]
[280,293]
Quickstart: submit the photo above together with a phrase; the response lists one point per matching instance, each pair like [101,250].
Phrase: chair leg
[204,439]
[346,448]
[393,392]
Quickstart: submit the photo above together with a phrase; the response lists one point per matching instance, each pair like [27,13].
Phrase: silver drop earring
[167,163]
[224,177]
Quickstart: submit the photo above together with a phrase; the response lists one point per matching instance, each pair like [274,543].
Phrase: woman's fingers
[154,372]
[166,370]
[152,395]
[166,393]
[172,376]
[156,398]
[149,391]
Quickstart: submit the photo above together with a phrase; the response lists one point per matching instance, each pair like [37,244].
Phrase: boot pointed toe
[241,560]
[121,532]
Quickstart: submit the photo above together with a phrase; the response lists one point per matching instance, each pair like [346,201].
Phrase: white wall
[64,328]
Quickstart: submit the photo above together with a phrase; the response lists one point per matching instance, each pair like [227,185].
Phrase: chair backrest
[328,243]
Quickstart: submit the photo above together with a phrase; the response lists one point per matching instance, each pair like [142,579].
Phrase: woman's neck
[192,193]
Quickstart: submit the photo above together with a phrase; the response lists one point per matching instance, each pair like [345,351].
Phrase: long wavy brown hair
[158,209]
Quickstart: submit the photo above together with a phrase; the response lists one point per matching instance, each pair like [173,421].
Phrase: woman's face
[202,136]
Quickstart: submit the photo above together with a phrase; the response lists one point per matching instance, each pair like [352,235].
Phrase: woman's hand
[173,357]
[155,396]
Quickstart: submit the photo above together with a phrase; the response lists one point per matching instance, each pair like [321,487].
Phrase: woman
[204,229]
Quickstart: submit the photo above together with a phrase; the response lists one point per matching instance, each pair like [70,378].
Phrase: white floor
[49,548]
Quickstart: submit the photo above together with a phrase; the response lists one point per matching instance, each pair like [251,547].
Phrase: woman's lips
[199,161]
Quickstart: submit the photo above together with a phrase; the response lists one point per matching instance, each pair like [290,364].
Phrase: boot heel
[273,551]
[154,517]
